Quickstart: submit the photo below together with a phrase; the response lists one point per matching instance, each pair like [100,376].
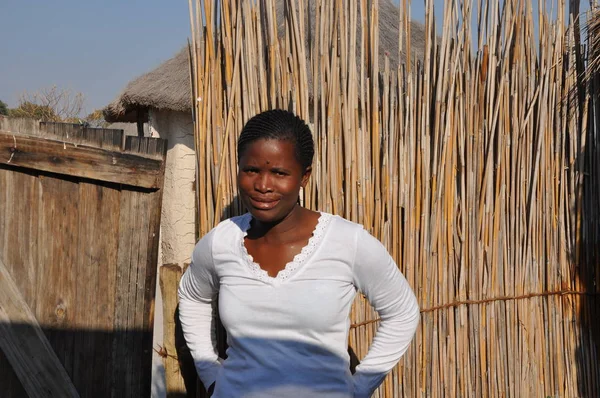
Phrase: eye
[250,170]
[280,173]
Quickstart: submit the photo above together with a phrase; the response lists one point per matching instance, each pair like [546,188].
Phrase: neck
[277,230]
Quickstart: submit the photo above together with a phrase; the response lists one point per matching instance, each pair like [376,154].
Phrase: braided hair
[278,124]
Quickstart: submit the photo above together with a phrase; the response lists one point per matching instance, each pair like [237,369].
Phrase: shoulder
[353,237]
[342,231]
[225,233]
[340,225]
[233,224]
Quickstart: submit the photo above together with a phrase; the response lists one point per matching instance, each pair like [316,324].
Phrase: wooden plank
[57,243]
[135,286]
[80,161]
[139,309]
[154,213]
[146,146]
[27,349]
[128,334]
[11,385]
[8,379]
[20,124]
[19,223]
[111,139]
[22,225]
[170,274]
[94,293]
[108,214]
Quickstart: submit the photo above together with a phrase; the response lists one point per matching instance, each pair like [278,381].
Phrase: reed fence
[476,165]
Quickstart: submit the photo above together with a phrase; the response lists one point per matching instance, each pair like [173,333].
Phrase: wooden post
[36,365]
[141,117]
[170,274]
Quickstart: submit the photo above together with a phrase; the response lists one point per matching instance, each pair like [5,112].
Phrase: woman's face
[269,179]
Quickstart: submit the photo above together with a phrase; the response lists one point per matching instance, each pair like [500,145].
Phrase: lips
[263,203]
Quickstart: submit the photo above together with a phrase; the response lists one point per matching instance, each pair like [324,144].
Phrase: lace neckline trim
[298,260]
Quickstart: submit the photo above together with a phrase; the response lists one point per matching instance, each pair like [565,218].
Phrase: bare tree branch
[52,104]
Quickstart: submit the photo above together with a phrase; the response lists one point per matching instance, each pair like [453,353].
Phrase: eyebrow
[277,168]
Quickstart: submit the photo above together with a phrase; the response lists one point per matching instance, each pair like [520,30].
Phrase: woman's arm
[378,278]
[197,306]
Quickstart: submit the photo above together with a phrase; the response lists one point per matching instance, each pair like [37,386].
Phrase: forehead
[272,150]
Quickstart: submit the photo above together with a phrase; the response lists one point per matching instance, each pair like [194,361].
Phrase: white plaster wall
[178,208]
[177,227]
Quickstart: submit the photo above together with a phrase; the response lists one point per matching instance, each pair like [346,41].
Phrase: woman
[286,277]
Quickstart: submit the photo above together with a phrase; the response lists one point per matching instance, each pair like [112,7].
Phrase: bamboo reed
[477,166]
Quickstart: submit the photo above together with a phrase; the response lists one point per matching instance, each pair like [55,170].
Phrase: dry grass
[478,168]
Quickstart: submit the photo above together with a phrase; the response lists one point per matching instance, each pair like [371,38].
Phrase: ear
[306,176]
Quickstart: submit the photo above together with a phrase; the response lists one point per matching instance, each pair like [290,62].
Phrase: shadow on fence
[586,259]
[99,363]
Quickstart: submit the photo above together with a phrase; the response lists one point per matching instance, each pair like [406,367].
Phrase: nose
[263,183]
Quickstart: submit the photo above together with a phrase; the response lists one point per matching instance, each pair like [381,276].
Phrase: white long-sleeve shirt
[287,335]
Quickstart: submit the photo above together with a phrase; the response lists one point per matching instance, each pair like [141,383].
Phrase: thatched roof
[168,86]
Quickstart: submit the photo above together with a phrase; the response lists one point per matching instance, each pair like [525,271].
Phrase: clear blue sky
[92,47]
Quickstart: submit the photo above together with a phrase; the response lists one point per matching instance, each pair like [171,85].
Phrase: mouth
[263,204]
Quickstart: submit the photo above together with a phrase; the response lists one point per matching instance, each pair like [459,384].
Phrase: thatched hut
[161,98]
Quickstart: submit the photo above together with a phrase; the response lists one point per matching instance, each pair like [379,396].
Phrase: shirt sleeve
[377,276]
[198,291]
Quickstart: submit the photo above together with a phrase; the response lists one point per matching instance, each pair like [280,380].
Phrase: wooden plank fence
[79,233]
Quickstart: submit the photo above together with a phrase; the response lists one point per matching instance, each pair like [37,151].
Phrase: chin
[266,216]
